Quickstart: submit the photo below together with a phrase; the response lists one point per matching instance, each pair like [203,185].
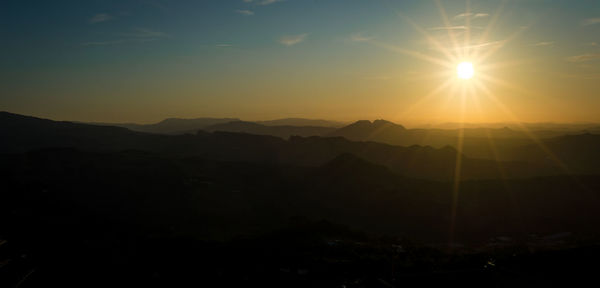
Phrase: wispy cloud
[471,16]
[590,21]
[263,2]
[101,43]
[584,57]
[360,38]
[542,44]
[268,2]
[145,33]
[245,12]
[102,17]
[462,27]
[137,35]
[480,46]
[291,40]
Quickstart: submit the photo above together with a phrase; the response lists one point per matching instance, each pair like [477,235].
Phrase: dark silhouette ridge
[278,131]
[172,126]
[365,130]
[302,122]
[414,161]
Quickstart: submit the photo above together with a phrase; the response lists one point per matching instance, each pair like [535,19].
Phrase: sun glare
[465,70]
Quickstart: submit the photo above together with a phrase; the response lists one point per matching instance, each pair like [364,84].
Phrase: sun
[465,70]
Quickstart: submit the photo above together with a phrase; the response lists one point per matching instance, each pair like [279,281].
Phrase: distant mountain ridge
[282,131]
[302,122]
[578,152]
[28,133]
[174,126]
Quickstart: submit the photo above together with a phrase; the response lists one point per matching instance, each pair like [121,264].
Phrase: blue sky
[144,60]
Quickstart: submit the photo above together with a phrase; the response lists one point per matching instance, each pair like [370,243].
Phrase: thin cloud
[471,16]
[137,35]
[590,21]
[102,17]
[584,57]
[268,2]
[291,40]
[542,44]
[360,38]
[145,33]
[449,28]
[102,43]
[477,47]
[263,2]
[245,12]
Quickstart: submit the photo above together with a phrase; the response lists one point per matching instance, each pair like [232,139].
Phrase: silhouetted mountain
[365,130]
[579,153]
[539,127]
[173,125]
[278,131]
[28,133]
[23,133]
[502,144]
[302,122]
[112,205]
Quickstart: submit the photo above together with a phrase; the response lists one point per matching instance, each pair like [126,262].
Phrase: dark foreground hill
[223,199]
[129,218]
[87,205]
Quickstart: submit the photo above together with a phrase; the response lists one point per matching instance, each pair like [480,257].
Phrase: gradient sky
[144,60]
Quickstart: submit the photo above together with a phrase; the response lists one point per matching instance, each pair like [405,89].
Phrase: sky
[146,60]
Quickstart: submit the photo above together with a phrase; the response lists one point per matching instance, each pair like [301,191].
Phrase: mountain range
[28,133]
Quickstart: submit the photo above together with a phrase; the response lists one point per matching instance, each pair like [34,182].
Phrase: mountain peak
[375,124]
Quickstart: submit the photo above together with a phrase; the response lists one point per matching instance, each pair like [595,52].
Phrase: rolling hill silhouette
[28,133]
[115,205]
[172,126]
[274,130]
[302,122]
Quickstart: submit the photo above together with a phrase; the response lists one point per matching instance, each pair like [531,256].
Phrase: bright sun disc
[465,70]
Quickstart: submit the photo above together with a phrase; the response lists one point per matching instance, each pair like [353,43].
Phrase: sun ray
[444,16]
[494,49]
[500,65]
[426,97]
[522,221]
[526,130]
[457,167]
[415,54]
[505,84]
[429,38]
[467,38]
[492,22]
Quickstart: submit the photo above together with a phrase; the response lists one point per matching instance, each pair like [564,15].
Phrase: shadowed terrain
[85,202]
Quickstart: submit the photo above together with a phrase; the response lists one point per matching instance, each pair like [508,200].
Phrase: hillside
[415,161]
